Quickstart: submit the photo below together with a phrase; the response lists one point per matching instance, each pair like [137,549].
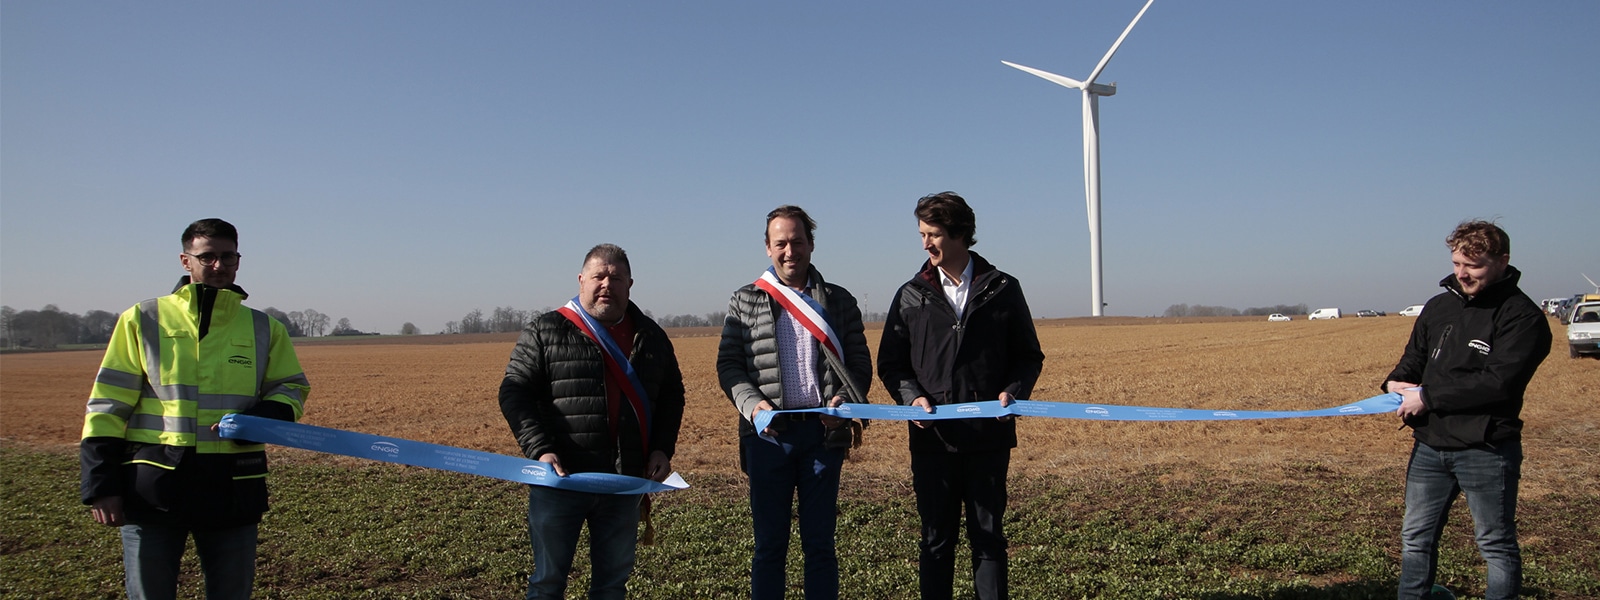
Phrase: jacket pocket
[153,472]
[249,472]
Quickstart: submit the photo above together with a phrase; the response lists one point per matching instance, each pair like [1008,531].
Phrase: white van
[1411,311]
[1324,313]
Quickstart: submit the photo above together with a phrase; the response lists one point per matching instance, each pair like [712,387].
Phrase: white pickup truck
[1583,333]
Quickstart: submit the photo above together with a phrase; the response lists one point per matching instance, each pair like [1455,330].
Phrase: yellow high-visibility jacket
[174,367]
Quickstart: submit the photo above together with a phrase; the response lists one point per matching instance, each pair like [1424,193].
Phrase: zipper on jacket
[1442,337]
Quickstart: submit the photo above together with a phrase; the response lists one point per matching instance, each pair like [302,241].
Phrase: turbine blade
[1066,81]
[1591,281]
[1101,67]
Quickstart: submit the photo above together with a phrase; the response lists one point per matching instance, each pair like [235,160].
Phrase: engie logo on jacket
[1481,346]
[242,360]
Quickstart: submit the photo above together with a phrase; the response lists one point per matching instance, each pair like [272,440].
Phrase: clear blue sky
[405,161]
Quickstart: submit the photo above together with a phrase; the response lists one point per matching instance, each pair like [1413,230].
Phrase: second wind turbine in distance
[1091,154]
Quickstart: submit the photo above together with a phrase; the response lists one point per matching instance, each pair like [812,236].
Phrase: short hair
[949,211]
[1477,237]
[216,229]
[608,253]
[790,211]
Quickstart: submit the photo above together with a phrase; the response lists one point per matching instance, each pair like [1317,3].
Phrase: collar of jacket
[184,281]
[1506,286]
[206,304]
[982,272]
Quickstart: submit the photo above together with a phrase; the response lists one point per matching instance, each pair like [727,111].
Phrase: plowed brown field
[442,389]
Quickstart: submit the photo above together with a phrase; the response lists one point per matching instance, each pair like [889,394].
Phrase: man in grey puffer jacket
[792,341]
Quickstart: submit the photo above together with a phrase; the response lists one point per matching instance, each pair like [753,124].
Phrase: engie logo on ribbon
[1097,411]
[386,448]
[969,409]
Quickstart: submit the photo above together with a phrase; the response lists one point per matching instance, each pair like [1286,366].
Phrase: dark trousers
[946,482]
[798,465]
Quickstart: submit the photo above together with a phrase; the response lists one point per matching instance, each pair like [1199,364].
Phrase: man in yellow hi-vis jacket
[152,460]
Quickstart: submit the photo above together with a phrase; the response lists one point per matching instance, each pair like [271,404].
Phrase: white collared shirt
[956,293]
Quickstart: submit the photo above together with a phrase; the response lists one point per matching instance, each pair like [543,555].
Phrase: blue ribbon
[435,456]
[1069,410]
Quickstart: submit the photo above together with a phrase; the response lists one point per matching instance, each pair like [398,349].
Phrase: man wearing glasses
[152,460]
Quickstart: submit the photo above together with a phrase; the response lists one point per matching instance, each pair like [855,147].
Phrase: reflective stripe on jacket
[161,383]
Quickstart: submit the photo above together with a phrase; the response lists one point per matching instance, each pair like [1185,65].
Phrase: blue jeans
[798,463]
[945,483]
[1433,480]
[556,517]
[151,555]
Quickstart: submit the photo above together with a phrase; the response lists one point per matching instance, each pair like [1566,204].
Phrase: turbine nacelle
[1098,89]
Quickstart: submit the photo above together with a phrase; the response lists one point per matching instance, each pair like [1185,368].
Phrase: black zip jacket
[992,348]
[554,396]
[1474,358]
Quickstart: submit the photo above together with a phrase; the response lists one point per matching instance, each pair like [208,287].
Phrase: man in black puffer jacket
[1462,377]
[572,407]
[959,331]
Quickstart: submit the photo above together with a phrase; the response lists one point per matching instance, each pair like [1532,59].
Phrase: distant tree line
[710,319]
[1185,310]
[505,319]
[50,327]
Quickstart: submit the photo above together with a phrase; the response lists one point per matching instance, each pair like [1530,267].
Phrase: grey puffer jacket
[554,396]
[747,357]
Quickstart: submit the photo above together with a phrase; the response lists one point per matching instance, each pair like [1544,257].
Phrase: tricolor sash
[803,308]
[616,364]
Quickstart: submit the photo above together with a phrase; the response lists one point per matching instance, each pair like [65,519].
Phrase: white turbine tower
[1091,153]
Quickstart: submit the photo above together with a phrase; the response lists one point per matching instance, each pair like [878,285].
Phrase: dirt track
[443,389]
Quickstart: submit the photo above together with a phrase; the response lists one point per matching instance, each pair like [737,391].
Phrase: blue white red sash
[803,308]
[616,364]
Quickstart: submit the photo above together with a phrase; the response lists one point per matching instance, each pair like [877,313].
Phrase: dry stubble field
[442,389]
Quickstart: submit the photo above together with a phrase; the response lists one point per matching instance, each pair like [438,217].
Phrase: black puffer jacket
[747,356]
[1474,358]
[992,348]
[554,396]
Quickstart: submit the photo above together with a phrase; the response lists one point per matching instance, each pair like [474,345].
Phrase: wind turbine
[1591,282]
[1091,153]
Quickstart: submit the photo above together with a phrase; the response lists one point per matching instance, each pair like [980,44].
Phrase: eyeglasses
[229,259]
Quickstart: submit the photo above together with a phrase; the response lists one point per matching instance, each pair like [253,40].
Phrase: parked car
[1411,311]
[1277,317]
[1324,313]
[1369,313]
[1583,334]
